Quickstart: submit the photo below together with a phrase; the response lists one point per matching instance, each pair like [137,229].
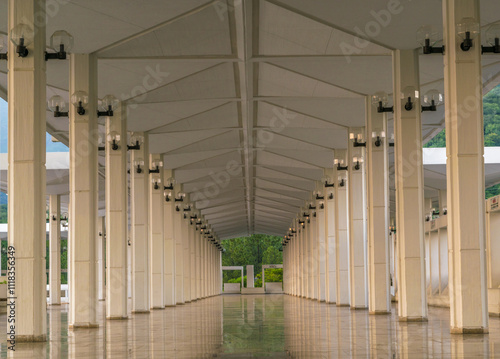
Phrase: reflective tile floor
[258,326]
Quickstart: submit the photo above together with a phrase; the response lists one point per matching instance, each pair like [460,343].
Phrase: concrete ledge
[257,290]
[83,325]
[54,304]
[413,319]
[469,331]
[116,318]
[379,312]
[30,338]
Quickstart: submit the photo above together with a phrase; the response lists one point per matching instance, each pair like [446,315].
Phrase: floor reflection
[256,326]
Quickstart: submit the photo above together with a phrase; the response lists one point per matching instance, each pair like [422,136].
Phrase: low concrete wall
[276,287]
[231,288]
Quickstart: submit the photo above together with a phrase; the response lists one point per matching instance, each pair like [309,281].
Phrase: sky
[51,146]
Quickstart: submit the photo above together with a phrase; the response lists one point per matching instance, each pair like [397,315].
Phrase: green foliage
[255,250]
[274,275]
[491,115]
[3,213]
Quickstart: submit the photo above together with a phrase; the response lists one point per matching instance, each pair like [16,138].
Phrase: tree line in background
[255,250]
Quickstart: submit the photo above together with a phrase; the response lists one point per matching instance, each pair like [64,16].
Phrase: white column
[378,211]
[101,263]
[168,232]
[357,223]
[26,184]
[199,263]
[83,187]
[315,252]
[116,216]
[204,280]
[307,268]
[342,233]
[186,238]
[302,251]
[412,301]
[194,262]
[465,173]
[327,226]
[139,216]
[322,250]
[179,248]
[156,242]
[55,249]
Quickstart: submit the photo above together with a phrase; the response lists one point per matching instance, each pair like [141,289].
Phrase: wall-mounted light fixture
[114,140]
[187,207]
[342,180]
[3,56]
[467,30]
[107,106]
[392,229]
[493,39]
[445,211]
[156,166]
[377,137]
[431,100]
[156,180]
[168,195]
[135,142]
[340,164]
[327,181]
[57,105]
[61,42]
[357,139]
[80,99]
[180,197]
[330,196]
[428,37]
[381,100]
[169,183]
[138,165]
[391,144]
[409,95]
[22,36]
[64,219]
[318,195]
[321,205]
[357,160]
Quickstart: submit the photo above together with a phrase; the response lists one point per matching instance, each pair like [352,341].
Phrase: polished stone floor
[256,326]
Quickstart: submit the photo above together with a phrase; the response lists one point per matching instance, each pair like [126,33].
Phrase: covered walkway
[192,122]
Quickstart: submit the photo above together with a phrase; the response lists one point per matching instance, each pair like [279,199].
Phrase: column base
[157,308]
[54,303]
[140,311]
[83,325]
[116,318]
[102,300]
[413,319]
[343,305]
[170,306]
[179,303]
[379,312]
[330,302]
[359,308]
[469,330]
[30,338]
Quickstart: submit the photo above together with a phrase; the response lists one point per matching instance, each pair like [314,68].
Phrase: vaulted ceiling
[247,99]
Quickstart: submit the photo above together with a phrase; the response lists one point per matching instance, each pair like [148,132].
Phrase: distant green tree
[272,256]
